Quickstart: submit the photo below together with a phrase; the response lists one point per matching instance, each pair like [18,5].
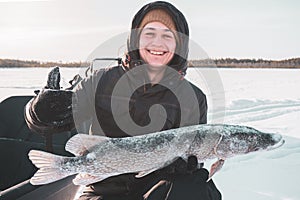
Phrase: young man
[123,101]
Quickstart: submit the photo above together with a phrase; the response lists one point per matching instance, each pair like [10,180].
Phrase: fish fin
[87,179]
[48,171]
[215,167]
[144,173]
[80,144]
[147,194]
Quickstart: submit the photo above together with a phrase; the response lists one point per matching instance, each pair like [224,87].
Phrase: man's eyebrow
[153,29]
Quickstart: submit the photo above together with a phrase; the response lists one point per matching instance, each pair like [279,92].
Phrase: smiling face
[157,45]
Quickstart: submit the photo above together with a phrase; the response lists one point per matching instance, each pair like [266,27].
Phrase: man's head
[159,36]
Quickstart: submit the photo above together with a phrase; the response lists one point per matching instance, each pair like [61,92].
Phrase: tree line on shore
[246,63]
[10,63]
[220,63]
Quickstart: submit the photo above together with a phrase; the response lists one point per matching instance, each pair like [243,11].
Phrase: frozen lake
[266,99]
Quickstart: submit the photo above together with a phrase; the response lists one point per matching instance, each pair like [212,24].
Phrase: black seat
[12,123]
[16,140]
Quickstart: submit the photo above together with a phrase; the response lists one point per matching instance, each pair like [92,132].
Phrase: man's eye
[149,34]
[166,36]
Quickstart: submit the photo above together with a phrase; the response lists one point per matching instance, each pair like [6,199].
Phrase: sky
[70,30]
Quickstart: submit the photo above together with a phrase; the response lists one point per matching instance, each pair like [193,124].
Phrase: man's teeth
[157,52]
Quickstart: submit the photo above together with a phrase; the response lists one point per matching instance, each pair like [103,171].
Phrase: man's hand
[51,106]
[188,180]
[194,187]
[51,110]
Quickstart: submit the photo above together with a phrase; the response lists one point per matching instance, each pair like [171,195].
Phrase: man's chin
[156,66]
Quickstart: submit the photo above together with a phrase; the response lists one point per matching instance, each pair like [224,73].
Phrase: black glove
[52,106]
[194,187]
[186,180]
[51,110]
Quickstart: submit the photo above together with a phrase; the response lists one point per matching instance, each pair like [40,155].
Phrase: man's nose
[157,40]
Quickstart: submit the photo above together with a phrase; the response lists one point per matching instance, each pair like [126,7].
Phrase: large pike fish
[99,157]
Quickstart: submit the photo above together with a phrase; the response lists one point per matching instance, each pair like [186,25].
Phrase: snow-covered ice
[266,99]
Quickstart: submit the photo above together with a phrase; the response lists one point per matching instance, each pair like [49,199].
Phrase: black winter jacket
[119,103]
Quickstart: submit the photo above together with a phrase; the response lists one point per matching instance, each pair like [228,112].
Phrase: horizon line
[212,58]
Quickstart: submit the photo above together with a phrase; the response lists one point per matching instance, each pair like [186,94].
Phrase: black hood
[179,61]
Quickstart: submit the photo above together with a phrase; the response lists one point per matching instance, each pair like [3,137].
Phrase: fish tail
[49,167]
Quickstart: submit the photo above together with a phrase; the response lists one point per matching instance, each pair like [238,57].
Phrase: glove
[187,181]
[194,187]
[51,106]
[51,110]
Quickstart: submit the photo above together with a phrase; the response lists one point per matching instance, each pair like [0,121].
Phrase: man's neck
[155,76]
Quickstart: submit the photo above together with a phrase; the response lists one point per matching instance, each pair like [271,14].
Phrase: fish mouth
[278,144]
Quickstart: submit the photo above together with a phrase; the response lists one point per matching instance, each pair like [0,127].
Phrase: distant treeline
[246,63]
[31,63]
[220,63]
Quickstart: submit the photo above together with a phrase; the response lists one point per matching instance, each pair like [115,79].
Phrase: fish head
[244,140]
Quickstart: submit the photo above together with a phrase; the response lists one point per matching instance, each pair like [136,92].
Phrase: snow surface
[266,99]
